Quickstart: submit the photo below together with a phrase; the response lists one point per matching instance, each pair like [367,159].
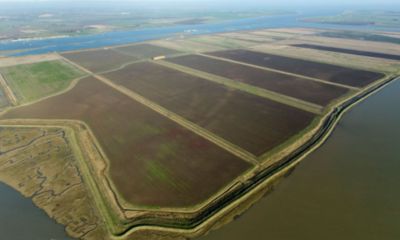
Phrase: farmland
[148,153]
[102,60]
[361,36]
[331,73]
[296,87]
[253,123]
[146,51]
[177,145]
[30,82]
[349,51]
[99,60]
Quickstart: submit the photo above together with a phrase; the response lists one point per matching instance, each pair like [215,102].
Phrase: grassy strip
[6,90]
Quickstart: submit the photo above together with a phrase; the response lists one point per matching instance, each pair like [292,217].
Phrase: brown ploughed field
[307,90]
[153,161]
[146,51]
[349,51]
[98,60]
[332,73]
[253,123]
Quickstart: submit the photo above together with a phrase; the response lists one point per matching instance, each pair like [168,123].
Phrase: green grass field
[30,82]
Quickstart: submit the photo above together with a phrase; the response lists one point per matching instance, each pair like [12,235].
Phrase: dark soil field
[155,82]
[99,60]
[349,51]
[251,122]
[300,88]
[332,73]
[154,161]
[146,51]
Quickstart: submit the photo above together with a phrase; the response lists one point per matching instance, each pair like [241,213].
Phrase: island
[173,138]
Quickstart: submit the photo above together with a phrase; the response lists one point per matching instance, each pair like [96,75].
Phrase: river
[347,189]
[21,220]
[40,46]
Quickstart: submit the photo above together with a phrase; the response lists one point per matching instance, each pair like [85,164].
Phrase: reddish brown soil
[332,73]
[251,122]
[99,60]
[146,51]
[300,88]
[154,161]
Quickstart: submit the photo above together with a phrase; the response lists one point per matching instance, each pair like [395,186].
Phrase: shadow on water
[20,219]
[347,189]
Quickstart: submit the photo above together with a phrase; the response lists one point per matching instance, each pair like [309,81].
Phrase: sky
[372,4]
[258,2]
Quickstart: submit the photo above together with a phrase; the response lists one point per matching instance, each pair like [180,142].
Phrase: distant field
[146,51]
[332,73]
[296,87]
[225,42]
[154,161]
[253,123]
[361,18]
[349,51]
[99,60]
[360,36]
[33,81]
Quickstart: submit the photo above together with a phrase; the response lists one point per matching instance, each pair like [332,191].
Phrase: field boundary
[235,150]
[7,90]
[133,62]
[273,172]
[271,95]
[127,221]
[279,71]
[263,179]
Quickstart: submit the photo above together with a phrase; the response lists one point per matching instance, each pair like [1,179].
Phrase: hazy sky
[226,4]
[262,2]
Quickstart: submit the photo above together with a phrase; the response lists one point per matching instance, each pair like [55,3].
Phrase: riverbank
[230,206]
[346,189]
[39,163]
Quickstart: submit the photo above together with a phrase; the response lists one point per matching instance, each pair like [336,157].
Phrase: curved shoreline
[293,158]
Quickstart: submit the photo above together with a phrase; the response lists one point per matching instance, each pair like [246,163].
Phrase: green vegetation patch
[34,81]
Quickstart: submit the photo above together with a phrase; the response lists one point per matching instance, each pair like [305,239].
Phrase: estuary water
[348,189]
[21,220]
[40,46]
